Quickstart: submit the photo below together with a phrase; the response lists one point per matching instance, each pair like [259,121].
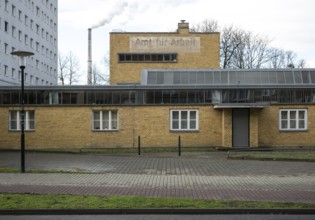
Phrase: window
[184,120]
[13,10]
[5,70]
[159,58]
[6,26]
[15,120]
[13,31]
[105,120]
[293,120]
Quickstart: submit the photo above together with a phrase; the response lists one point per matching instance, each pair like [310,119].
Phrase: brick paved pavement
[202,176]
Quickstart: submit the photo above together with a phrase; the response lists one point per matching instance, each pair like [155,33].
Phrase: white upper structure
[29,25]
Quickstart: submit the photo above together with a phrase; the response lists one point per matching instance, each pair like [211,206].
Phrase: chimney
[183,27]
[89,70]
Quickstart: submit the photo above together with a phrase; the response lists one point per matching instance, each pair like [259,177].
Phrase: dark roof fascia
[155,87]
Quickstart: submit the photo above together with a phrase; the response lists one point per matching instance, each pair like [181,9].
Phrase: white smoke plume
[119,9]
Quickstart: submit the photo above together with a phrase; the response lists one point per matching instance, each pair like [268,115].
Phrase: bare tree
[62,67]
[244,49]
[285,59]
[231,39]
[206,26]
[97,77]
[74,74]
[68,69]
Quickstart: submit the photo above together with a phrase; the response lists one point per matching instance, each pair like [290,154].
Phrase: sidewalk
[199,177]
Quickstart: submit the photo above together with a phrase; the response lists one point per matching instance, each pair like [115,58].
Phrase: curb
[162,211]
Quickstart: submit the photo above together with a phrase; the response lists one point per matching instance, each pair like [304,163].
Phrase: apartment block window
[293,120]
[6,48]
[15,120]
[6,5]
[20,15]
[13,11]
[13,73]
[184,120]
[20,35]
[6,26]
[105,120]
[6,70]
[13,31]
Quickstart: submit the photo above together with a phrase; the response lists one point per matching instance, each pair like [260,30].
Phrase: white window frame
[295,121]
[102,126]
[180,120]
[27,120]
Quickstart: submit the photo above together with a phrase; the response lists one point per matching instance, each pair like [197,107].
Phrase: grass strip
[32,201]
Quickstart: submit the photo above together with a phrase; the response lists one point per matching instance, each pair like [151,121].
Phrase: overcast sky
[289,23]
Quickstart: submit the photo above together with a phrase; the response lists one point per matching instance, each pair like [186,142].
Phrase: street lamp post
[22,55]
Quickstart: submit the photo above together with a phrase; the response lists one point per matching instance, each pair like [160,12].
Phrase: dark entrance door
[240,127]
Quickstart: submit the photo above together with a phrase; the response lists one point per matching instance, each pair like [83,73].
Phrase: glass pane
[292,124]
[114,115]
[301,124]
[114,125]
[224,77]
[280,77]
[31,115]
[200,78]
[184,115]
[301,114]
[292,114]
[96,115]
[217,78]
[208,78]
[13,125]
[312,74]
[193,115]
[175,115]
[96,125]
[192,77]
[184,124]
[175,125]
[160,78]
[305,77]
[284,115]
[31,125]
[272,78]
[289,77]
[284,124]
[105,124]
[177,78]
[105,115]
[264,76]
[185,78]
[297,77]
[13,115]
[192,124]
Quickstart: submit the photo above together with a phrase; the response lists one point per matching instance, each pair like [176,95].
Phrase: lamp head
[22,55]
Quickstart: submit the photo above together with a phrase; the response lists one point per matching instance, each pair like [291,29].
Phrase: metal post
[139,146]
[179,147]
[22,122]
[22,55]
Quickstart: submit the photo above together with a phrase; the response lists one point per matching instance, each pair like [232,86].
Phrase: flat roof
[230,77]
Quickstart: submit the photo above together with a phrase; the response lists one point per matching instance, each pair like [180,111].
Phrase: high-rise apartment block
[29,25]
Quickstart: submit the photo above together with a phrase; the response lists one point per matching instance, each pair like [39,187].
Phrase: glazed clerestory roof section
[230,77]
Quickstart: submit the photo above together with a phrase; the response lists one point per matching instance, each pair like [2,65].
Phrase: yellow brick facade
[207,57]
[71,127]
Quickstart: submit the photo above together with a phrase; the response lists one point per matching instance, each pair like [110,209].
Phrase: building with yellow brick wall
[132,52]
[159,98]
